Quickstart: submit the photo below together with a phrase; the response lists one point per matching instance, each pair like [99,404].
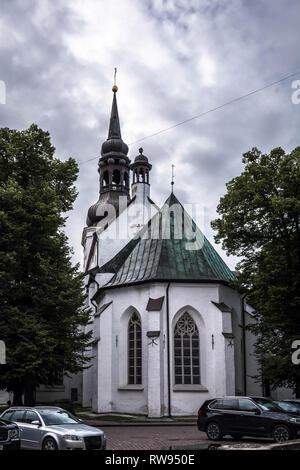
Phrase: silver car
[53,428]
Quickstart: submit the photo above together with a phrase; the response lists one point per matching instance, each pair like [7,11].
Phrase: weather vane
[172,182]
[115,88]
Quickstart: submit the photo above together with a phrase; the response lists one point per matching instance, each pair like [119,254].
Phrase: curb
[135,424]
[286,445]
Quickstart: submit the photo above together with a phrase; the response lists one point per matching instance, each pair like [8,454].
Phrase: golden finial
[115,88]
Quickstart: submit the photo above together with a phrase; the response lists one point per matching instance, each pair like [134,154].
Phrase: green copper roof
[164,251]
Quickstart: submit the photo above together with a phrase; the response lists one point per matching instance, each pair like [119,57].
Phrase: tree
[42,296]
[260,222]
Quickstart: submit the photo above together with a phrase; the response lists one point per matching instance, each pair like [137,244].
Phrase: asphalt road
[162,437]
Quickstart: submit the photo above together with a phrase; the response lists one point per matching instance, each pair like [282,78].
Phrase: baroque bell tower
[113,167]
[117,215]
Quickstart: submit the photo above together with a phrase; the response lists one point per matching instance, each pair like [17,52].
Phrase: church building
[168,330]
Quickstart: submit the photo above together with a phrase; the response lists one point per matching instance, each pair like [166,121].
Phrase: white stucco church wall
[220,355]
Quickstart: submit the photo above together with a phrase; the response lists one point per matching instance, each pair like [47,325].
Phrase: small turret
[141,169]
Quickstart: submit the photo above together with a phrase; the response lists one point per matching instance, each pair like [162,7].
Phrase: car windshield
[294,403]
[267,405]
[288,406]
[57,417]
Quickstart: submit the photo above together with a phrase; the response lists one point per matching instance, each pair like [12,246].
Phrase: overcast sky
[175,59]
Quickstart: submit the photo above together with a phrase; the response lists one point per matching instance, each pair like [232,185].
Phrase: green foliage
[41,293]
[260,222]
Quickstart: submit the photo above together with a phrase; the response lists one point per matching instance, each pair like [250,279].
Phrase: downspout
[92,301]
[93,379]
[94,305]
[168,352]
[244,344]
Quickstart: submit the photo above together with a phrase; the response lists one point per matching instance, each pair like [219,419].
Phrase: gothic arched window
[134,350]
[186,351]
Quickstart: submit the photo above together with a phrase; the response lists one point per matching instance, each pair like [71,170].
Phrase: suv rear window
[225,404]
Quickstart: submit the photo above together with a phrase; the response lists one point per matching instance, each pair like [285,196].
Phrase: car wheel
[236,437]
[49,444]
[213,431]
[281,433]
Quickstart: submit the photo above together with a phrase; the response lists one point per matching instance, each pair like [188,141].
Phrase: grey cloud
[249,43]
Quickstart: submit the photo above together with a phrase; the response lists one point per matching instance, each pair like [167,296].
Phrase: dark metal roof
[221,306]
[141,157]
[158,257]
[228,335]
[102,308]
[155,304]
[153,334]
[141,161]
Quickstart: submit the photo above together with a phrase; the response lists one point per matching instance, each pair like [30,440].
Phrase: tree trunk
[29,395]
[266,388]
[18,396]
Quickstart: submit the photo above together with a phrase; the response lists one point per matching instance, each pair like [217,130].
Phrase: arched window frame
[186,351]
[134,350]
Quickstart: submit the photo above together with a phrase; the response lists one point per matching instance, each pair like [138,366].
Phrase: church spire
[114,124]
[114,144]
[114,131]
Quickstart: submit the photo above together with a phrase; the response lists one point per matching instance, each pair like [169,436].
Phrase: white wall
[114,395]
[196,299]
[4,397]
[125,227]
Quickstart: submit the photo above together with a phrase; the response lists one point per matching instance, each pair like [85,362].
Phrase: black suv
[9,435]
[247,416]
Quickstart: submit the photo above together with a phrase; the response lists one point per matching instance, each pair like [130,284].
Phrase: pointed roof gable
[164,251]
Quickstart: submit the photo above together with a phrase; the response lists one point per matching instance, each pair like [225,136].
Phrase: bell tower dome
[141,183]
[141,169]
